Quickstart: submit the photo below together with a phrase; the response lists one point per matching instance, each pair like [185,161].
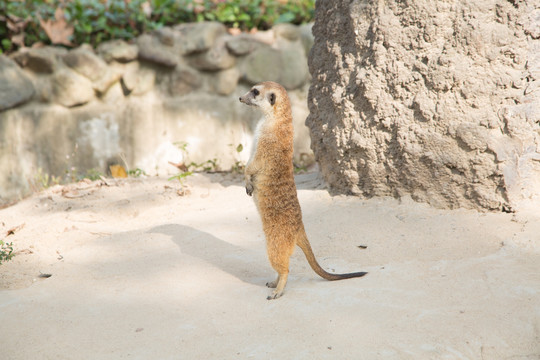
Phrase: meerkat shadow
[235,260]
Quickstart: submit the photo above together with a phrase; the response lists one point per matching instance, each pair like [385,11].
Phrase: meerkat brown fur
[269,177]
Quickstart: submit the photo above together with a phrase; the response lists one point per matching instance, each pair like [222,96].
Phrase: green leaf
[286,18]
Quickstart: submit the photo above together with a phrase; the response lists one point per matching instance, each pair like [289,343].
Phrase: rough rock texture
[216,58]
[199,37]
[71,89]
[85,62]
[152,50]
[118,50]
[15,86]
[40,60]
[438,100]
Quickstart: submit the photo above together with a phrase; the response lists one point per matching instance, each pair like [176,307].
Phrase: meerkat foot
[279,285]
[275,294]
[249,189]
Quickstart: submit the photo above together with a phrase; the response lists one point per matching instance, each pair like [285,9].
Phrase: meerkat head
[264,95]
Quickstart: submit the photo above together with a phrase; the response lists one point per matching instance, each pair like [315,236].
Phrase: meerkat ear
[272,98]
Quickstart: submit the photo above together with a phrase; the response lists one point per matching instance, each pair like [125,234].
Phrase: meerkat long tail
[303,243]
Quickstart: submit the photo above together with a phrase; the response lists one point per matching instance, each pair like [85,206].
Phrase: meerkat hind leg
[279,285]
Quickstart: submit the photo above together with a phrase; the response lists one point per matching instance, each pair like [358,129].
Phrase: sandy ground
[140,271]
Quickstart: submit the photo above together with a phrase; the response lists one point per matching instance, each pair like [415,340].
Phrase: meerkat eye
[255,92]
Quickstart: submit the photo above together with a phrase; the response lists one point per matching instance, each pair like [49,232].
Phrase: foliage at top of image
[74,22]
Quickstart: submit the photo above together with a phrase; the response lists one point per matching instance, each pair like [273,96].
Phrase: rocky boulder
[40,60]
[242,44]
[15,86]
[71,89]
[433,100]
[199,37]
[182,81]
[118,50]
[214,59]
[284,62]
[138,79]
[85,62]
[152,50]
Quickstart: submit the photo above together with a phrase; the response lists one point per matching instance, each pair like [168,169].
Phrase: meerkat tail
[303,243]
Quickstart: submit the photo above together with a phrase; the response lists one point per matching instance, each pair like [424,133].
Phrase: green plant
[6,251]
[260,14]
[207,166]
[238,166]
[188,170]
[24,23]
[181,176]
[42,180]
[299,169]
[137,173]
[182,146]
[92,174]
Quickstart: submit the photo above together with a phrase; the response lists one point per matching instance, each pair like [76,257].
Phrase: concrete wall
[68,111]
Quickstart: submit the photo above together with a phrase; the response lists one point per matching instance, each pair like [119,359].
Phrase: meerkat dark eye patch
[272,98]
[255,92]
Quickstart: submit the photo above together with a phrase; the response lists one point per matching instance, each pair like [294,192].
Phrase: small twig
[13,230]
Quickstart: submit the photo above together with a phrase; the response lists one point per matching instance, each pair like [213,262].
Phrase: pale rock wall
[63,109]
[438,100]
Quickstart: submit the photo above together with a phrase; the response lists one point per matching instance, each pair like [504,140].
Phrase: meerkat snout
[251,97]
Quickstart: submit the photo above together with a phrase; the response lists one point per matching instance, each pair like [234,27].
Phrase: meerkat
[269,177]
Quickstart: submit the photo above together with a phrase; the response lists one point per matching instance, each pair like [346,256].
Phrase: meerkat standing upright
[269,178]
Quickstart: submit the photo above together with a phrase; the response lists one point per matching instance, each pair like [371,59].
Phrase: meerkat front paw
[249,189]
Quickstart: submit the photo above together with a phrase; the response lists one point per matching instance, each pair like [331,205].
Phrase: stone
[183,81]
[138,79]
[113,95]
[214,59]
[85,62]
[71,89]
[199,37]
[118,50]
[166,36]
[287,31]
[241,45]
[287,66]
[106,80]
[414,100]
[225,82]
[15,86]
[153,51]
[266,37]
[265,63]
[39,60]
[306,37]
[295,70]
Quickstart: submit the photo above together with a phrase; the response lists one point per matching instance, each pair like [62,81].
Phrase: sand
[148,269]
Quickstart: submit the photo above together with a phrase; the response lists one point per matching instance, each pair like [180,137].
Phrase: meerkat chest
[256,137]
